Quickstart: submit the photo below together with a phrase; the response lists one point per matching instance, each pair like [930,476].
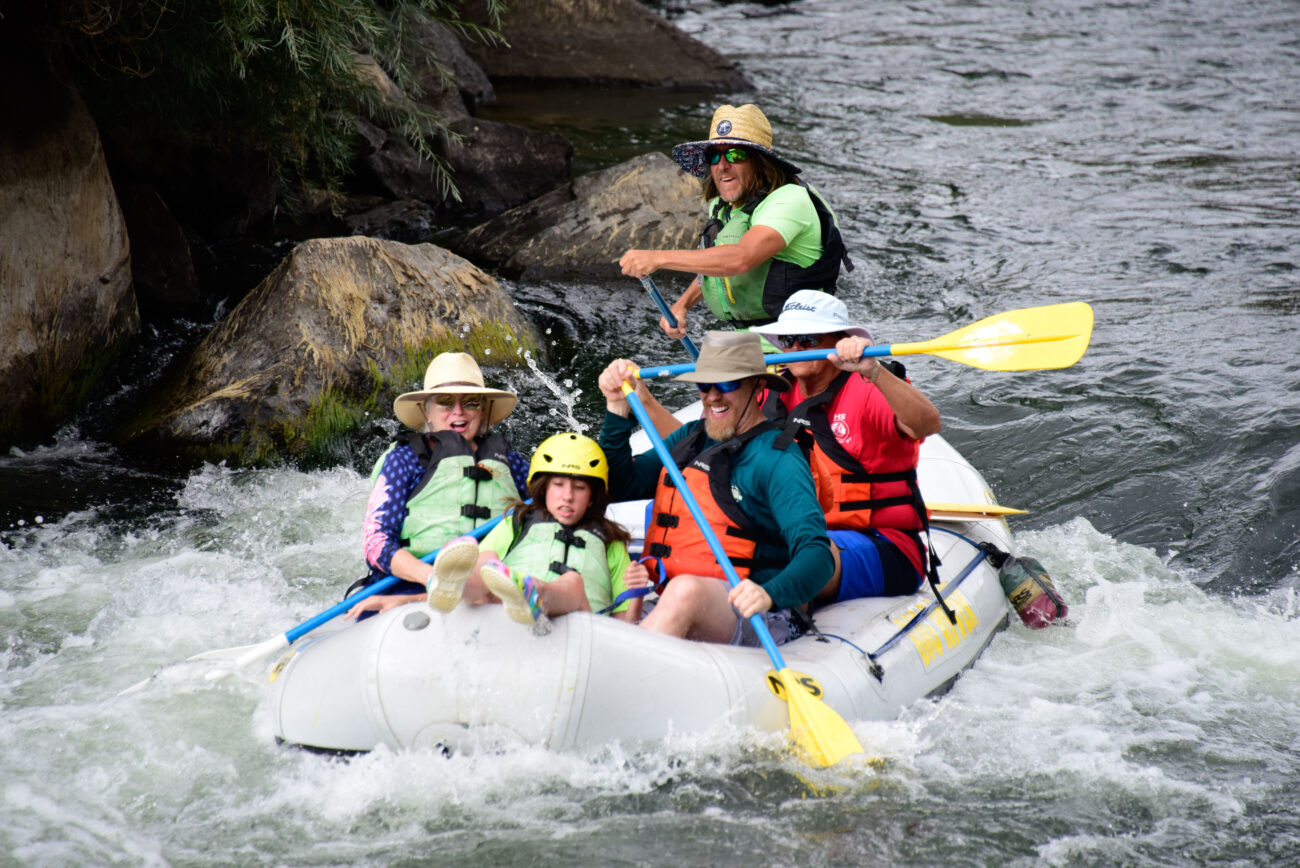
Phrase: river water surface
[1140,156]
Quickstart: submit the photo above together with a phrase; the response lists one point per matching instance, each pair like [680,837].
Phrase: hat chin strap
[744,413]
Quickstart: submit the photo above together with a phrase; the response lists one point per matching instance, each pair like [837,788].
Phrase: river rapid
[1143,157]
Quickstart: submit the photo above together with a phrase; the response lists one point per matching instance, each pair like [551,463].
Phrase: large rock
[469,84]
[586,225]
[66,304]
[495,166]
[602,40]
[334,332]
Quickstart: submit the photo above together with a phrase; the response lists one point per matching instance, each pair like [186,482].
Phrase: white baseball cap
[812,312]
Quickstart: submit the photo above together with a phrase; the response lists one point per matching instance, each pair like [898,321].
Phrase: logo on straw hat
[724,127]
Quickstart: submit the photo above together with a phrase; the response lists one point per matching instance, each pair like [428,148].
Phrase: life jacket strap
[877,503]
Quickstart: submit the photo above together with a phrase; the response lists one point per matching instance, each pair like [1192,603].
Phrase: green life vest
[462,487]
[545,549]
[757,296]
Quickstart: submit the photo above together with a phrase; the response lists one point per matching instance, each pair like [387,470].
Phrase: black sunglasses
[785,342]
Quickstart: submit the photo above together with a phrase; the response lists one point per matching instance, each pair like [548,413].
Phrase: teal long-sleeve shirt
[776,492]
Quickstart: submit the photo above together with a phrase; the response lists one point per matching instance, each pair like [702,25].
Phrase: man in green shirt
[768,233]
[759,500]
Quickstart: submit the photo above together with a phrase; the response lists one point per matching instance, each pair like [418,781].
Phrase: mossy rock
[325,342]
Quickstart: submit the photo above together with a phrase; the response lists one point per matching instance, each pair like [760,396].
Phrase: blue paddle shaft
[689,499]
[649,284]
[660,371]
[374,588]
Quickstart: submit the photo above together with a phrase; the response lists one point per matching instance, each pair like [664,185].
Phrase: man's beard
[719,429]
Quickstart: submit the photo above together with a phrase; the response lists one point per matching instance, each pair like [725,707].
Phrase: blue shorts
[872,566]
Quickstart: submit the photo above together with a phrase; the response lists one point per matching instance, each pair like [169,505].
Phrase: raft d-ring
[415,620]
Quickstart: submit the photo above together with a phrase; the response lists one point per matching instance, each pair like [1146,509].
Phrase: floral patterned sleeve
[386,510]
[519,472]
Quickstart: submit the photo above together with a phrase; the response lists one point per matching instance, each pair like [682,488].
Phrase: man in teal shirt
[759,500]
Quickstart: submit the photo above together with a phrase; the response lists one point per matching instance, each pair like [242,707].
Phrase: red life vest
[879,490]
[673,537]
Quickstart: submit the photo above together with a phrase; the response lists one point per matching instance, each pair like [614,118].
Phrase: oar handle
[373,588]
[659,371]
[669,317]
[684,492]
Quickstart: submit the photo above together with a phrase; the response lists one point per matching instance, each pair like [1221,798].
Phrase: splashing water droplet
[566,400]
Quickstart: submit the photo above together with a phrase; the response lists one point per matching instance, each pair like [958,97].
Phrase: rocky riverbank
[101,236]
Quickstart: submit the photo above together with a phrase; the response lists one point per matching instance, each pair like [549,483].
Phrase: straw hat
[731,125]
[732,356]
[812,312]
[452,374]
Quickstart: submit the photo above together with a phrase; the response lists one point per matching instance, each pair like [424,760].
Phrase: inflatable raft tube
[417,678]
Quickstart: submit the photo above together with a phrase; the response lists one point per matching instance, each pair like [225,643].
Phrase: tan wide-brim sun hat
[452,374]
[743,125]
[732,356]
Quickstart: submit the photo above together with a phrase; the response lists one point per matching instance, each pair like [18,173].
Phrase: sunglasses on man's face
[723,387]
[786,342]
[470,403]
[733,155]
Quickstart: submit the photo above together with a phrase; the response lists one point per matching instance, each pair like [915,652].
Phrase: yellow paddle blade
[820,735]
[1028,339]
[976,509]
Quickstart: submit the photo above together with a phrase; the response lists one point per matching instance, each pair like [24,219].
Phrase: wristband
[875,374]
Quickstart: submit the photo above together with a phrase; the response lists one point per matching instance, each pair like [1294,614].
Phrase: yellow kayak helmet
[572,455]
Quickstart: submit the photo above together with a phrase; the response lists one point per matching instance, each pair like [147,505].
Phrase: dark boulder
[602,41]
[162,266]
[494,165]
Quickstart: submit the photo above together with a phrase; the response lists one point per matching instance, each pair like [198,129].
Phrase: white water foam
[1155,701]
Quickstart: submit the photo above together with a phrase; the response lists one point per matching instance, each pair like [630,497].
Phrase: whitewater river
[1140,156]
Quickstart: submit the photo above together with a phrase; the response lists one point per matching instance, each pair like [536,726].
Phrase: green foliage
[278,73]
[322,438]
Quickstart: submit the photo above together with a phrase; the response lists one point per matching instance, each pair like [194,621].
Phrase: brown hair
[766,178]
[595,514]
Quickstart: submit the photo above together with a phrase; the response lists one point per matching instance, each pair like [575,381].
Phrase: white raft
[418,678]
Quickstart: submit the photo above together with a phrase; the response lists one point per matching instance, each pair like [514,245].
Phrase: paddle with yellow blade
[1028,339]
[971,511]
[816,731]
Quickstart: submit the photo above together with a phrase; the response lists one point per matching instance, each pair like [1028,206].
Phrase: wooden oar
[818,733]
[1028,339]
[649,284]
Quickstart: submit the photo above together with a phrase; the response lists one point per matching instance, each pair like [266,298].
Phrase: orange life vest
[673,537]
[885,496]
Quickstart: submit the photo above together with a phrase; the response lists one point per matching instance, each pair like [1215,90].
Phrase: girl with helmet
[555,555]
